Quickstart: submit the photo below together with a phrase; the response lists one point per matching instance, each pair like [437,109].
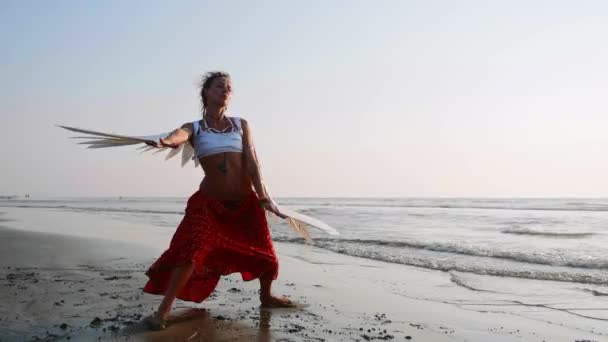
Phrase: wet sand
[60,287]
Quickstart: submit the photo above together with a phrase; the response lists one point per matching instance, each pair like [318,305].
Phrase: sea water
[557,241]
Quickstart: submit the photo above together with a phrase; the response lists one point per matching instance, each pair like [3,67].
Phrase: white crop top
[207,141]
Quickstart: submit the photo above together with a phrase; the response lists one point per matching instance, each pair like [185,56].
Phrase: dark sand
[57,287]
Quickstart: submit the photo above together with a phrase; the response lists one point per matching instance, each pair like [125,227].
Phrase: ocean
[557,241]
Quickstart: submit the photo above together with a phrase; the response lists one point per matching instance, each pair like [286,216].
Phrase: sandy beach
[82,288]
[447,155]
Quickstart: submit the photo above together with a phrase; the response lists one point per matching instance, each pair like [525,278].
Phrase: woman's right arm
[177,137]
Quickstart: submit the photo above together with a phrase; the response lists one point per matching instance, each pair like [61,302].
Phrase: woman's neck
[214,113]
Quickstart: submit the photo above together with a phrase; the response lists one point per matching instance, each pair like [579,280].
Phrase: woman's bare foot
[276,302]
[156,322]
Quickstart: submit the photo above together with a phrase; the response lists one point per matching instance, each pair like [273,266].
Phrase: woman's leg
[180,277]
[266,297]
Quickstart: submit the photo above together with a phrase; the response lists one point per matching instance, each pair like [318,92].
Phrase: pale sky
[346,98]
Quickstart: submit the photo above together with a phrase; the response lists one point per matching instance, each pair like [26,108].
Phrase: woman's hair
[208,78]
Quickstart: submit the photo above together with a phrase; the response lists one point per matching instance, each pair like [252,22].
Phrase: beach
[60,282]
[457,147]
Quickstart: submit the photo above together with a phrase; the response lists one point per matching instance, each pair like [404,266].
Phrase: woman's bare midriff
[229,183]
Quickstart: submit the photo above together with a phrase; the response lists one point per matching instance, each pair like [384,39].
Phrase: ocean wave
[129,210]
[101,209]
[471,205]
[454,248]
[464,280]
[537,267]
[345,203]
[454,278]
[528,231]
[596,292]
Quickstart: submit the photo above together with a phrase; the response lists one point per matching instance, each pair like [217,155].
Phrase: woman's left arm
[253,169]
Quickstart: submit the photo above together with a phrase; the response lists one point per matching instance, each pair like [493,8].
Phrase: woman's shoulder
[234,117]
[188,126]
[239,121]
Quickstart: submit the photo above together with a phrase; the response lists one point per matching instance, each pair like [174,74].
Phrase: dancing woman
[224,229]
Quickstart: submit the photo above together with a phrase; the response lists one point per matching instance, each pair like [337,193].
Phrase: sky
[345,98]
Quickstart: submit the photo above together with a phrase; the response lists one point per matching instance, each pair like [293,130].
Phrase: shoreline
[56,287]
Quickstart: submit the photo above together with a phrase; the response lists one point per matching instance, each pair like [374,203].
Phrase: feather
[79,130]
[300,228]
[98,137]
[95,139]
[103,146]
[310,221]
[108,142]
[188,151]
[159,150]
[188,154]
[147,148]
[143,139]
[185,158]
[174,151]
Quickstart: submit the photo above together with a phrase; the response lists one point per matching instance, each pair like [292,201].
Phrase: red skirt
[218,238]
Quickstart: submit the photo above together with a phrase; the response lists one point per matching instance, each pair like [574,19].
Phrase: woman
[224,229]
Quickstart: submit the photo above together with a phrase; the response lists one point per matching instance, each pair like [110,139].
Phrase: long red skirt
[218,238]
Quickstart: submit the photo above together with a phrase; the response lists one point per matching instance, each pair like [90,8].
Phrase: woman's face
[219,92]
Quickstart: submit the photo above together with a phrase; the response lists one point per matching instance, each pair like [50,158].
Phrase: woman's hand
[271,206]
[156,144]
[160,143]
[173,140]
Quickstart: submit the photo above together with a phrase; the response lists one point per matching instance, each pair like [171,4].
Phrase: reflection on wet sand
[200,325]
